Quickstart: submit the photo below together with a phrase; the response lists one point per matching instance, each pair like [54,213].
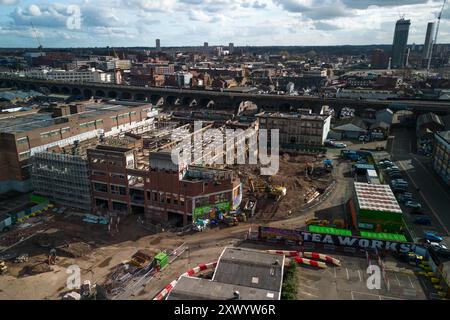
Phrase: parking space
[349,282]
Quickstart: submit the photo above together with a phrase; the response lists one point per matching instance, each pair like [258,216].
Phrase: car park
[413,205]
[433,237]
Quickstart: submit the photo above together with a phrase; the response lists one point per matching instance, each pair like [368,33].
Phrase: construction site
[122,210]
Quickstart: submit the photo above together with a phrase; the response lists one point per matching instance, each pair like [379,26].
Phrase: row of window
[54,133]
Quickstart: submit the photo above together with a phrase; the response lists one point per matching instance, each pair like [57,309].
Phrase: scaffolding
[63,178]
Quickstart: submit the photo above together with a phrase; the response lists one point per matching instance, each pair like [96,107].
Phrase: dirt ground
[97,253]
[295,177]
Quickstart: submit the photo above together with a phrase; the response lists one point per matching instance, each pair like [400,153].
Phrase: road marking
[335,276]
[359,274]
[373,295]
[410,282]
[424,198]
[398,281]
[348,277]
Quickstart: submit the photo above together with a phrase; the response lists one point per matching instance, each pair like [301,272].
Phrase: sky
[117,23]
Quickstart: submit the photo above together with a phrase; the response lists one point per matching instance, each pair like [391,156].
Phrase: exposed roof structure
[376,197]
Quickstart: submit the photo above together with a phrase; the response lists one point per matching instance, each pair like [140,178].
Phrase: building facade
[21,137]
[400,43]
[166,193]
[297,130]
[441,156]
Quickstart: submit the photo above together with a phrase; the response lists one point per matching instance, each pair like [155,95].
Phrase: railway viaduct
[226,100]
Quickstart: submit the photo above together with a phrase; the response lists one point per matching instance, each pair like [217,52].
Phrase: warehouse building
[23,136]
[241,274]
[375,208]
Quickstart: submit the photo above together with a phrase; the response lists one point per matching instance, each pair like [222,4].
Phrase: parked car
[340,145]
[395,175]
[392,168]
[404,197]
[364,139]
[437,245]
[433,237]
[424,221]
[413,205]
[400,181]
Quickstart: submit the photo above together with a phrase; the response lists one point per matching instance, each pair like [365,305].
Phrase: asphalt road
[424,182]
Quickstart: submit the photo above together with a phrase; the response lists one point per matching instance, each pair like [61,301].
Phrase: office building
[158,45]
[429,41]
[231,48]
[400,43]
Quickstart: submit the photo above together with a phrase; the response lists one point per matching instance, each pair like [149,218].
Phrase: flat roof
[34,121]
[189,288]
[384,236]
[376,197]
[250,268]
[329,230]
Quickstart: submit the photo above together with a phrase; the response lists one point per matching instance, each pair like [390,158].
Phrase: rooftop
[189,288]
[291,115]
[43,120]
[250,268]
[376,197]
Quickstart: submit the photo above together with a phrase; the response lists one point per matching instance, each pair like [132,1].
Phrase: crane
[36,35]
[435,36]
[110,42]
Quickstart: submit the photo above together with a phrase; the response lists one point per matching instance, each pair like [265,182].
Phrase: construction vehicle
[277,192]
[230,221]
[141,258]
[3,267]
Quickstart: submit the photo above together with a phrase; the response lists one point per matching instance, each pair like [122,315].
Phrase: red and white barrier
[312,255]
[189,273]
[323,257]
[312,263]
[285,253]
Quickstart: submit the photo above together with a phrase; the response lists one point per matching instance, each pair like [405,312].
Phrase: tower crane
[36,35]
[435,36]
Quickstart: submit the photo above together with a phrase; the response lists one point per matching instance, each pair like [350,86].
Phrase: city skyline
[123,23]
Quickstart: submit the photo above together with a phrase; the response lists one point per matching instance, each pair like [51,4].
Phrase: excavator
[3,267]
[275,192]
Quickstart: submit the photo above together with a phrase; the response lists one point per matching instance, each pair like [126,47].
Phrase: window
[123,116]
[55,133]
[24,155]
[83,125]
[23,140]
[65,130]
[162,198]
[99,122]
[100,187]
[45,135]
[118,190]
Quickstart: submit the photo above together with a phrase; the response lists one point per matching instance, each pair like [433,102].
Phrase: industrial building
[441,156]
[241,274]
[22,136]
[375,208]
[297,130]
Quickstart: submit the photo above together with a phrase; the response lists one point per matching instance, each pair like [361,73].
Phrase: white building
[89,75]
[365,94]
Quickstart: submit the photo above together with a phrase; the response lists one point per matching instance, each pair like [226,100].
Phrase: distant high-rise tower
[158,45]
[400,43]
[205,46]
[429,40]
[231,47]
